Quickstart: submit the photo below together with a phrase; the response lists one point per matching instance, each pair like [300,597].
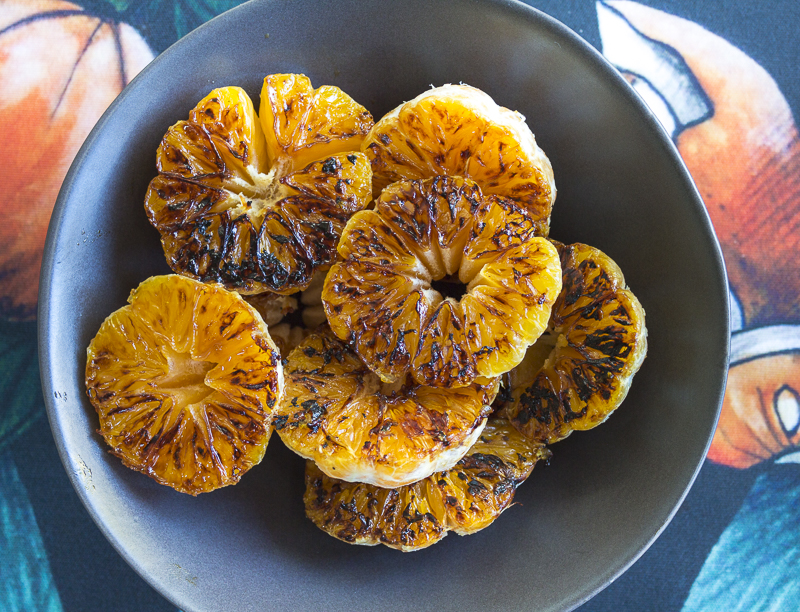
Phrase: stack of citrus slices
[384,295]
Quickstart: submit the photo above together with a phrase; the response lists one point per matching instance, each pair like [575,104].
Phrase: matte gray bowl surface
[607,494]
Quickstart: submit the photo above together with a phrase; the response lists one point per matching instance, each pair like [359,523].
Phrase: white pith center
[258,193]
[544,348]
[185,379]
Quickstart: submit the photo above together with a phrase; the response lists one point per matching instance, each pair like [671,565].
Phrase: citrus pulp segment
[465,499]
[381,297]
[258,203]
[580,370]
[338,413]
[459,130]
[303,124]
[184,380]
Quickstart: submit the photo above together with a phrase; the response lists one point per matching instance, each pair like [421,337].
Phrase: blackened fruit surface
[253,210]
[465,499]
[598,340]
[380,298]
[459,130]
[338,413]
[184,380]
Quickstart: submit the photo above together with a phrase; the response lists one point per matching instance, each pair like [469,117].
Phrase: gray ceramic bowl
[621,187]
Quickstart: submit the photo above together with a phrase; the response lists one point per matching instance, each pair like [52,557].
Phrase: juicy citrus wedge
[580,370]
[464,499]
[383,296]
[303,124]
[460,130]
[258,204]
[339,414]
[184,379]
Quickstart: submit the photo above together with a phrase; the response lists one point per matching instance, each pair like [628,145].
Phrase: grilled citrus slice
[339,414]
[580,370]
[258,204]
[383,296]
[460,130]
[464,499]
[184,379]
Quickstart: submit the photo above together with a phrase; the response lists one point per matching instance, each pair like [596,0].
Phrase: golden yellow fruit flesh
[258,203]
[338,413]
[184,379]
[459,130]
[464,499]
[581,369]
[381,299]
[302,124]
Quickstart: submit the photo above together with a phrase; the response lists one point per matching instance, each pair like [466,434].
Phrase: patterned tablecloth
[721,75]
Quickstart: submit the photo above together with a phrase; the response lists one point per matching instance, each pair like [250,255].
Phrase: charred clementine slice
[464,499]
[460,130]
[303,124]
[184,379]
[258,203]
[355,428]
[580,370]
[434,234]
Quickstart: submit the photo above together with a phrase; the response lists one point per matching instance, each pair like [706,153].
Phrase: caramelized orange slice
[258,204]
[460,130]
[465,499]
[580,370]
[184,379]
[355,428]
[303,124]
[384,298]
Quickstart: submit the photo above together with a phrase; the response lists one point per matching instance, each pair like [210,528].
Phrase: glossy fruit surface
[258,203]
[383,296]
[184,379]
[464,499]
[580,370]
[338,413]
[459,130]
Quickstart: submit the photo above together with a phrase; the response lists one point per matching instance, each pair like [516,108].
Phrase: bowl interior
[621,187]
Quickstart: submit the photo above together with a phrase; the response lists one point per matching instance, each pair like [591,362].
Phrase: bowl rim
[562,32]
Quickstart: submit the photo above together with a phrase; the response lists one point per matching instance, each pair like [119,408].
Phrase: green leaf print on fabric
[160,22]
[20,386]
[25,581]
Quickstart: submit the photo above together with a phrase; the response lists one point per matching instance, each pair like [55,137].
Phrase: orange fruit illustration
[745,160]
[60,68]
[760,416]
